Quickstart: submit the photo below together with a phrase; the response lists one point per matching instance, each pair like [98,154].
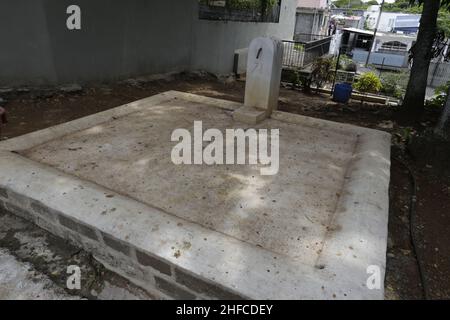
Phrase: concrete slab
[250,115]
[107,182]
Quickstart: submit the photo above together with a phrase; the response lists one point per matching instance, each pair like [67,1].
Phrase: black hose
[412,216]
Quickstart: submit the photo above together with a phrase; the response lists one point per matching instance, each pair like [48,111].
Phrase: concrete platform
[107,183]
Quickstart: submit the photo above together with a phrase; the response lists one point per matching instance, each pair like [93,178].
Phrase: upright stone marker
[265,57]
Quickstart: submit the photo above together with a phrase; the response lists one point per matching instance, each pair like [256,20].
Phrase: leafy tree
[372,3]
[435,20]
[443,22]
[402,6]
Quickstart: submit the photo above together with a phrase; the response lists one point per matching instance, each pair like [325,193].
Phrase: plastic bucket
[342,92]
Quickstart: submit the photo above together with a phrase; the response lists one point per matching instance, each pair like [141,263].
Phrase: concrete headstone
[264,65]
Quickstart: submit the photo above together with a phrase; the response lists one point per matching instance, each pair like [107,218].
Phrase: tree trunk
[443,127]
[415,93]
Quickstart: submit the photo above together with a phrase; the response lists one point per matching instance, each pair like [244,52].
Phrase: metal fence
[308,37]
[438,74]
[300,53]
[343,76]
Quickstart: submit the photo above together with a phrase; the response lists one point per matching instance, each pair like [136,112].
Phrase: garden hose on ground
[412,215]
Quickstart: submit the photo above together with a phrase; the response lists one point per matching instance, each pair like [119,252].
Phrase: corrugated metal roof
[361,31]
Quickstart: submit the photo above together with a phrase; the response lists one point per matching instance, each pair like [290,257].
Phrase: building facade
[390,50]
[312,18]
[392,21]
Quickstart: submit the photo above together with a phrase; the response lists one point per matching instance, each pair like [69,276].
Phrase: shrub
[394,84]
[440,96]
[322,71]
[347,64]
[299,47]
[368,82]
[302,80]
[351,67]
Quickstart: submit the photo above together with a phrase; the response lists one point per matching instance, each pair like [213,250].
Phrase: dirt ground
[413,271]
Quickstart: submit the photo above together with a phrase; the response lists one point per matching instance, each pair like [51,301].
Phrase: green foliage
[265,5]
[405,6]
[351,67]
[411,6]
[322,71]
[302,79]
[242,4]
[394,83]
[405,134]
[343,61]
[441,96]
[245,4]
[368,82]
[347,64]
[299,47]
[443,22]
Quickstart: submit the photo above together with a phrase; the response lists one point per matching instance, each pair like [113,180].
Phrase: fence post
[336,71]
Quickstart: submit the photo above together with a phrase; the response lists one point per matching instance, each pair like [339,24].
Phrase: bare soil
[31,110]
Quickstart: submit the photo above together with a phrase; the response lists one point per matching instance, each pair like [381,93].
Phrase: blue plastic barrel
[342,92]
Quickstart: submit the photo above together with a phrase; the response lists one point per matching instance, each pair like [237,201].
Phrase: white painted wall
[214,42]
[387,20]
